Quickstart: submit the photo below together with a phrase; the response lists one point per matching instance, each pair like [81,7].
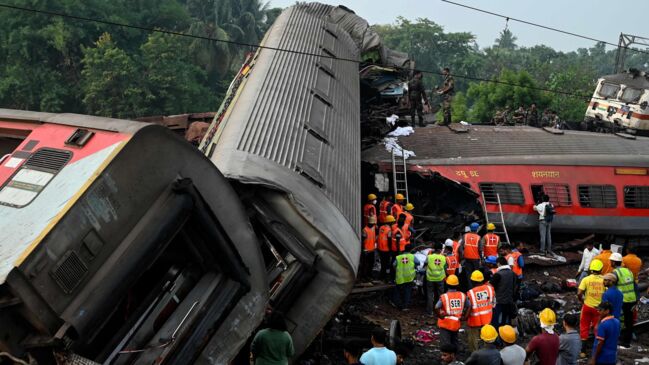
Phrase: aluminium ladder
[399,174]
[500,218]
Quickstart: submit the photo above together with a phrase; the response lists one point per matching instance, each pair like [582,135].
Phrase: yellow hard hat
[507,333]
[547,317]
[371,197]
[596,265]
[488,333]
[491,227]
[400,197]
[409,206]
[452,280]
[477,276]
[390,219]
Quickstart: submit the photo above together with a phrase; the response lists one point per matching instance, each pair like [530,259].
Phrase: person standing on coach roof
[447,91]
[545,224]
[416,94]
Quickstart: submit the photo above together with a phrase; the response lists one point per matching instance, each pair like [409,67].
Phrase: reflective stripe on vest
[396,210]
[383,242]
[471,242]
[456,248]
[383,210]
[491,241]
[405,271]
[400,235]
[369,243]
[435,270]
[625,282]
[451,264]
[453,306]
[481,299]
[516,269]
[368,210]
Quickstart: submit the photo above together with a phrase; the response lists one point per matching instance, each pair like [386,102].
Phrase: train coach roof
[78,120]
[639,82]
[437,145]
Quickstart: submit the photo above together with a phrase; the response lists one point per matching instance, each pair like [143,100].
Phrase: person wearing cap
[488,354]
[452,262]
[589,254]
[400,235]
[505,284]
[404,277]
[435,275]
[385,207]
[472,246]
[369,248]
[612,294]
[449,355]
[369,209]
[589,294]
[511,353]
[545,345]
[397,208]
[627,285]
[450,309]
[490,241]
[569,342]
[407,211]
[605,257]
[608,332]
[383,243]
[481,303]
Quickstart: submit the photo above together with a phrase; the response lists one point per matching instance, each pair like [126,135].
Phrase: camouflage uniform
[415,94]
[447,97]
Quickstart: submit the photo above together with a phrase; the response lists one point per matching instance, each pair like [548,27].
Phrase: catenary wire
[181,34]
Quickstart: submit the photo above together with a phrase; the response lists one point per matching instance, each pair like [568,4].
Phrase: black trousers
[415,105]
[627,332]
[386,260]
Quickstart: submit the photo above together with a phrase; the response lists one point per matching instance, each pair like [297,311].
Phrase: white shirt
[541,210]
[586,258]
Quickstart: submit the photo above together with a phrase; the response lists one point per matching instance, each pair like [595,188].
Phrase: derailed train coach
[124,244]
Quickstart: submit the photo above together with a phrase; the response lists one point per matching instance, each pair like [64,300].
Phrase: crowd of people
[527,116]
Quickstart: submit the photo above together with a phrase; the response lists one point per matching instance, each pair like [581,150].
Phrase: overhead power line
[211,39]
[507,17]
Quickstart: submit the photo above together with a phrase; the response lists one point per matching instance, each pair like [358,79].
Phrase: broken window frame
[608,95]
[636,197]
[510,193]
[624,97]
[558,198]
[597,196]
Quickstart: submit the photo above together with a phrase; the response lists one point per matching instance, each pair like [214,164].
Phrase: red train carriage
[598,182]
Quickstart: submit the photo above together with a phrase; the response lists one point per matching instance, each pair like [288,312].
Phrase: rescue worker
[490,241]
[384,241]
[511,353]
[400,235]
[435,275]
[385,207]
[533,116]
[604,257]
[491,263]
[369,247]
[472,249]
[447,91]
[404,277]
[514,260]
[407,212]
[626,284]
[397,208]
[369,209]
[452,263]
[481,302]
[416,94]
[450,309]
[488,354]
[505,284]
[546,344]
[590,294]
[632,262]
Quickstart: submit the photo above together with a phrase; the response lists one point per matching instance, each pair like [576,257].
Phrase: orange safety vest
[451,264]
[383,242]
[396,210]
[407,233]
[516,269]
[481,299]
[471,246]
[456,249]
[399,232]
[453,306]
[369,242]
[409,217]
[383,210]
[491,241]
[368,210]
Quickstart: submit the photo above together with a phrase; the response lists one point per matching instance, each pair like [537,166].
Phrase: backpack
[549,212]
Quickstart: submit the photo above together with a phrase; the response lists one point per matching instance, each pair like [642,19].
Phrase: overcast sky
[598,19]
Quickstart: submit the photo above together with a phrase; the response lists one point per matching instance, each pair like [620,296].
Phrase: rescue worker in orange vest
[385,206]
[452,262]
[491,263]
[472,246]
[384,241]
[369,209]
[400,235]
[514,260]
[481,302]
[490,241]
[397,208]
[450,309]
[369,248]
[408,213]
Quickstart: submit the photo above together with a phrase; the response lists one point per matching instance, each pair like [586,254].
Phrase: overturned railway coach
[599,183]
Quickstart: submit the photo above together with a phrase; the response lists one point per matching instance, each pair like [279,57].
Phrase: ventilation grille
[49,159]
[69,272]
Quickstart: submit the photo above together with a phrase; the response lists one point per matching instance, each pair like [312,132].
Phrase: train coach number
[466,174]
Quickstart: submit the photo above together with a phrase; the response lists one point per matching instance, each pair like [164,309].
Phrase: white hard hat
[448,242]
[467,229]
[616,257]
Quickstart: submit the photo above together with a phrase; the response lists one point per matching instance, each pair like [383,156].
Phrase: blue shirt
[379,356]
[608,331]
[614,296]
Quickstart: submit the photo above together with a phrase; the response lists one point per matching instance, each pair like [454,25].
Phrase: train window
[631,95]
[636,196]
[597,196]
[559,194]
[608,90]
[509,193]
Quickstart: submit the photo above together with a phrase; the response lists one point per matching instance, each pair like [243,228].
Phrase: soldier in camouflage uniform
[447,92]
[416,93]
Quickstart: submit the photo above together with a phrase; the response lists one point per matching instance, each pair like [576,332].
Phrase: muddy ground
[360,311]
